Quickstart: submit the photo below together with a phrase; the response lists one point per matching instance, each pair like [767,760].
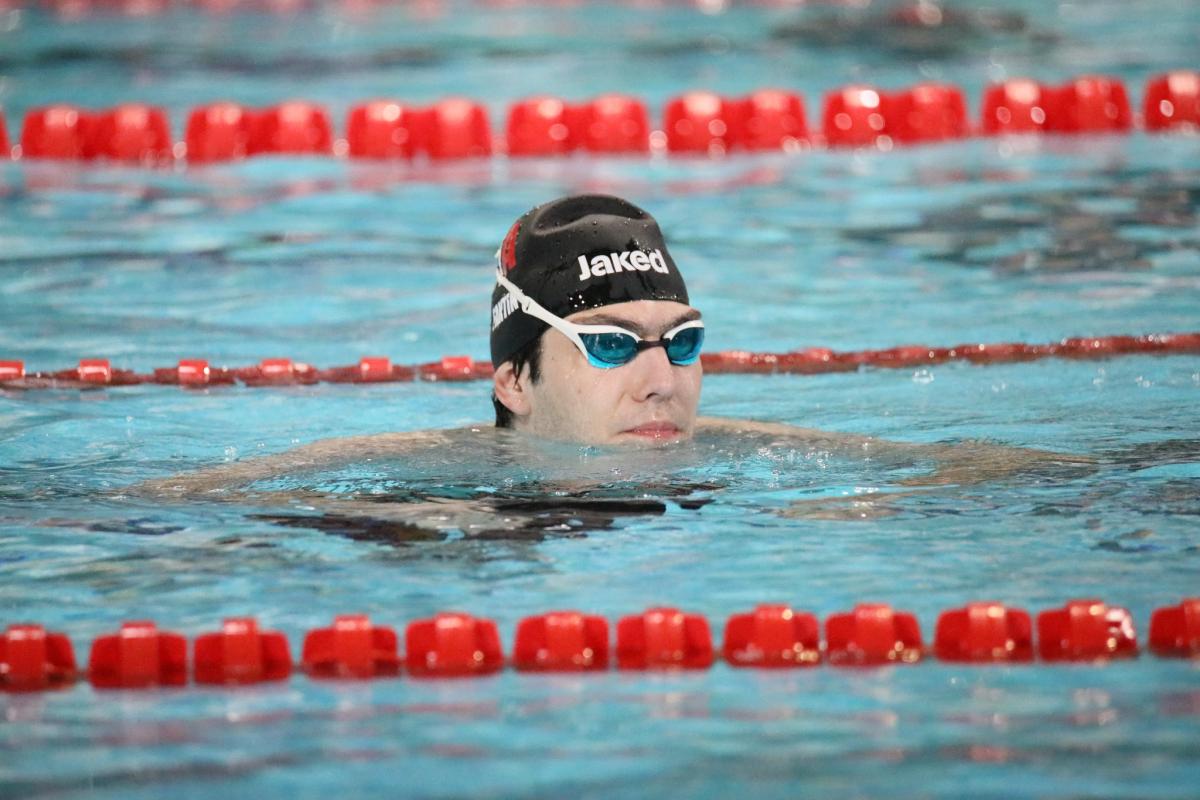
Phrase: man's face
[647,402]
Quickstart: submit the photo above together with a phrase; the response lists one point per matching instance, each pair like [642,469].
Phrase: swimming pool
[325,261]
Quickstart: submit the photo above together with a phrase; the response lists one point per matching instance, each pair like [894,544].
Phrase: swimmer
[595,342]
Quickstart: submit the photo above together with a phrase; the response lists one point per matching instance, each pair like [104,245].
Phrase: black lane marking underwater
[234,255]
[1146,455]
[520,516]
[227,62]
[884,35]
[516,521]
[1136,538]
[144,526]
[358,528]
[1079,236]
[203,771]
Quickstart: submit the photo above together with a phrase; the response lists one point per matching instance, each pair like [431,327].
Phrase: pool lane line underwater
[696,123]
[194,373]
[772,636]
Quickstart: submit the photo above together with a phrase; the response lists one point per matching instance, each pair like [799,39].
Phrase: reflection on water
[1097,228]
[494,485]
[918,30]
[1031,731]
[528,490]
[488,485]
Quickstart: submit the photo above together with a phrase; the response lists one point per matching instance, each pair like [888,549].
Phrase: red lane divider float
[453,645]
[454,128]
[296,128]
[1175,630]
[138,656]
[1090,104]
[561,641]
[1172,101]
[351,648]
[240,653]
[33,660]
[1085,629]
[984,632]
[694,123]
[772,636]
[129,133]
[56,132]
[873,634]
[612,123]
[664,638]
[198,373]
[459,645]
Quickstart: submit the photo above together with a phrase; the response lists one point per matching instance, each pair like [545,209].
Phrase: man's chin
[644,436]
[652,436]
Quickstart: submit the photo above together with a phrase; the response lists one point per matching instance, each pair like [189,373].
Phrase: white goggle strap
[531,307]
[570,329]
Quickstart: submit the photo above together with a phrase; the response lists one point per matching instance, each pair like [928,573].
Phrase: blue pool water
[325,261]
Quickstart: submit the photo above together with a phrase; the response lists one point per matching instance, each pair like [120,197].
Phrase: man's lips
[655,430]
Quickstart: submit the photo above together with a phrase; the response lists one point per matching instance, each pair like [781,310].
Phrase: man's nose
[653,375]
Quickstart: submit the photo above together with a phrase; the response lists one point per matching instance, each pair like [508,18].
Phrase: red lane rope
[194,372]
[139,655]
[694,123]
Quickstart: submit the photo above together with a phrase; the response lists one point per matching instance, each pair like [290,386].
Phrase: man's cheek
[589,399]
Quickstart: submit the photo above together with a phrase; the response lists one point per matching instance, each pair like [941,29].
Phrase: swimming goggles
[607,346]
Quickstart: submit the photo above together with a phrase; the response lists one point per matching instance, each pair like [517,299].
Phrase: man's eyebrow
[621,322]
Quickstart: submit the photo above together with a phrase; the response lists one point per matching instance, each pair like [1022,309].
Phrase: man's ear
[511,390]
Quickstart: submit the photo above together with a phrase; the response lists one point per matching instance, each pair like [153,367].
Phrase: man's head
[631,373]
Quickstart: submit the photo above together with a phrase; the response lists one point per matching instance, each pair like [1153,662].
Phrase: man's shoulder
[315,455]
[403,440]
[735,425]
[796,435]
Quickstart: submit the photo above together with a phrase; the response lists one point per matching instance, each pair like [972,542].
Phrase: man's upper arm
[841,442]
[964,462]
[320,454]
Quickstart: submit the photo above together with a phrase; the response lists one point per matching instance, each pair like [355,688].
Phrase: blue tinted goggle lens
[684,347]
[615,349]
[610,349]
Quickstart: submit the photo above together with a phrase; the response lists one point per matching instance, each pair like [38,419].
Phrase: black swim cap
[576,253]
